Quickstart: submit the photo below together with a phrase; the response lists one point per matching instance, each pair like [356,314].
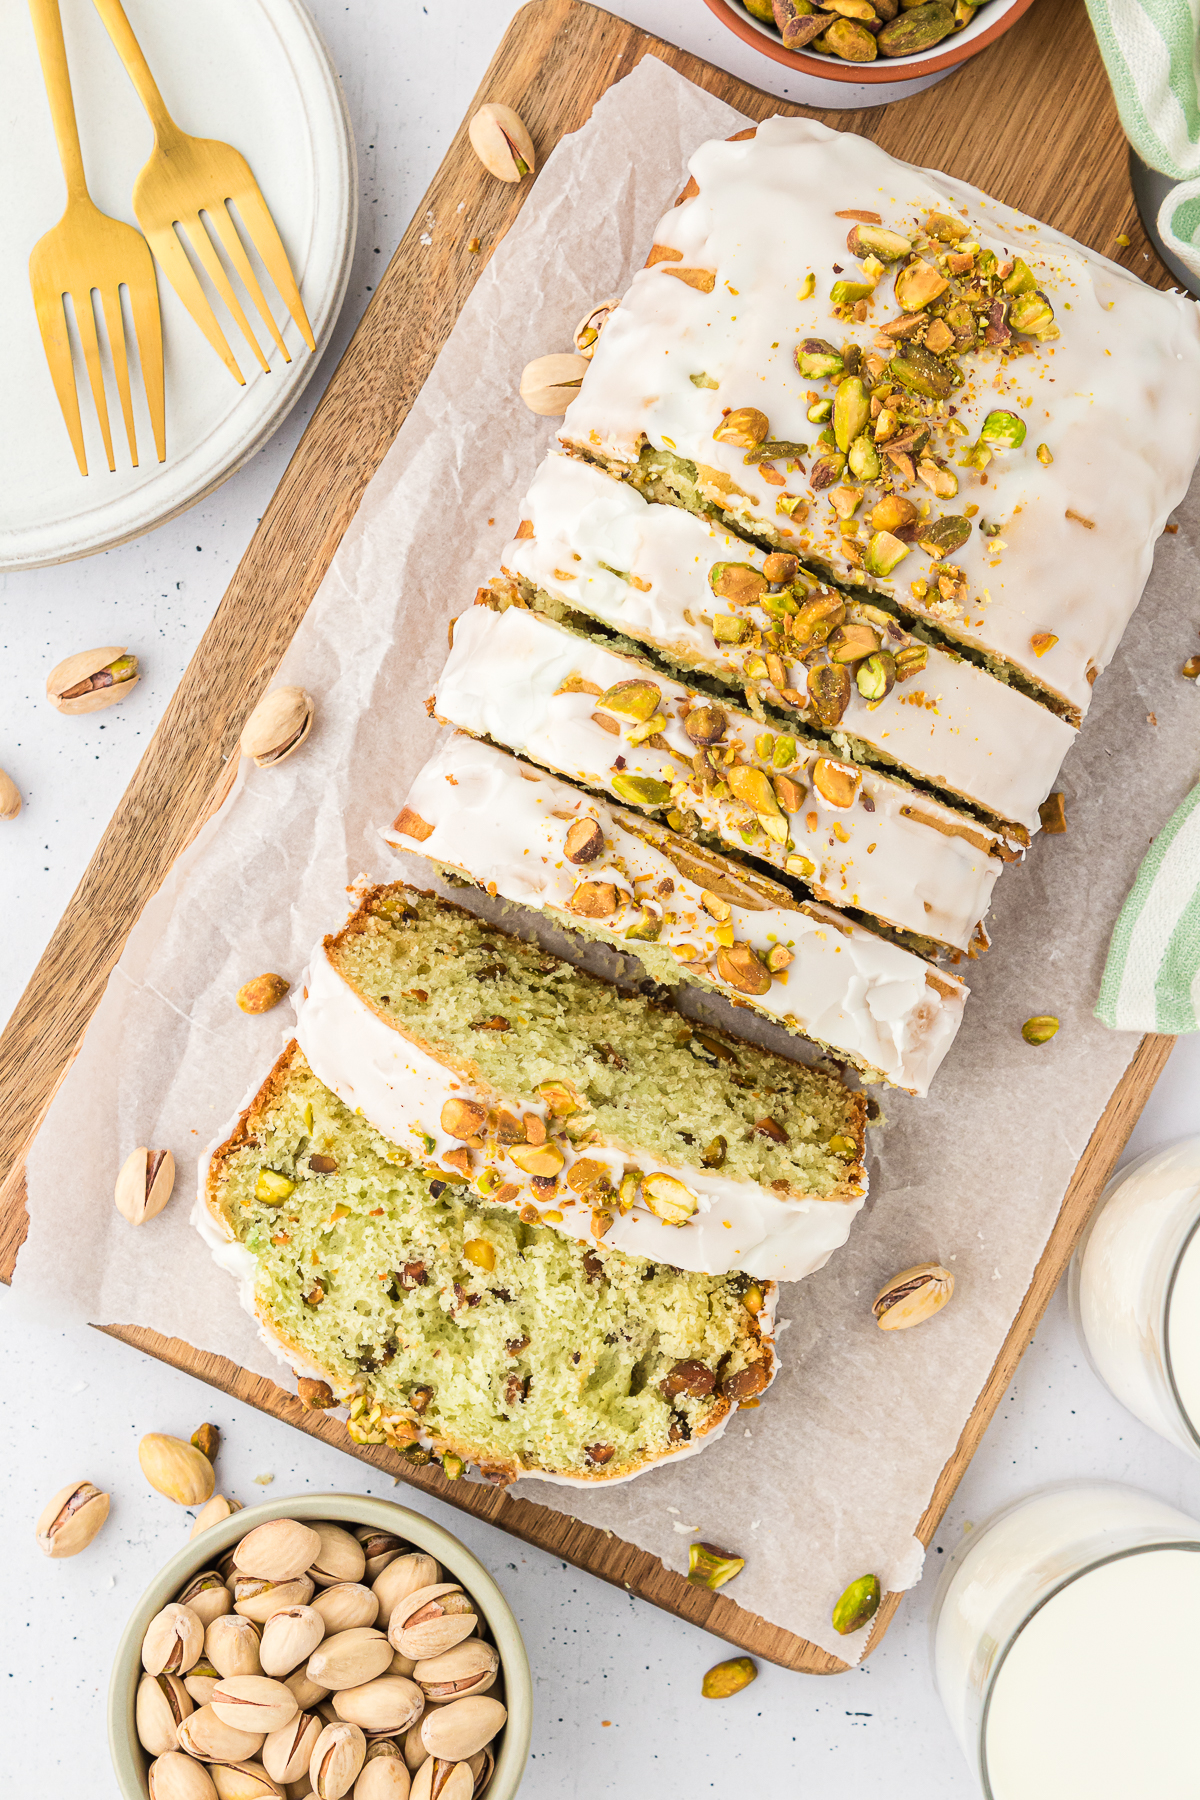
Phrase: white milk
[1135,1291]
[1065,1649]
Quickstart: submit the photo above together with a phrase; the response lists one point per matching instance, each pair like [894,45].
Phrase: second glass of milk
[1135,1291]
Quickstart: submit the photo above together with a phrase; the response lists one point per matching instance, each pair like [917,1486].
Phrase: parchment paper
[829,1477]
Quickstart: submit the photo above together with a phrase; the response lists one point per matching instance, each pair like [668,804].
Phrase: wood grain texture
[1024,121]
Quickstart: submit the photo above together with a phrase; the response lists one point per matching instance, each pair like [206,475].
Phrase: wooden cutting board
[1027,122]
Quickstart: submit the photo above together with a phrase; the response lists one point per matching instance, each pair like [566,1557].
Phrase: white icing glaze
[1116,398]
[904,861]
[503,824]
[401,1089]
[955,725]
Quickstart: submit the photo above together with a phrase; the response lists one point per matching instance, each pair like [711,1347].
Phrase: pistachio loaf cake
[530,1084]
[854,836]
[593,549]
[461,1327]
[910,386]
[681,909]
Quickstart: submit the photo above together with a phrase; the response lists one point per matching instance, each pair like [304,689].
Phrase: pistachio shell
[209,1739]
[175,1776]
[457,1731]
[913,1296]
[338,1755]
[289,1638]
[175,1469]
[278,725]
[587,332]
[431,1620]
[10,797]
[162,1702]
[288,1751]
[389,1703]
[256,1599]
[232,1646]
[244,1781]
[439,1779]
[501,142]
[350,1658]
[253,1703]
[345,1605]
[212,1512]
[207,1596]
[403,1577]
[74,670]
[280,1550]
[200,1681]
[340,1558]
[173,1642]
[144,1184]
[309,1694]
[69,1522]
[550,383]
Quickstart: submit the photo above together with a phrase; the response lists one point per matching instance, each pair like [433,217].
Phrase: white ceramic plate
[255,74]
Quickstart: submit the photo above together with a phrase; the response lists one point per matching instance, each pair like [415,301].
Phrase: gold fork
[87,250]
[187,179]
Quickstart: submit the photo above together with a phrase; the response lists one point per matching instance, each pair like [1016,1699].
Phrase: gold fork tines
[189,182]
[85,252]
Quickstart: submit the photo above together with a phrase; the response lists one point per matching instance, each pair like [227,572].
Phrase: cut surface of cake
[457,1326]
[910,384]
[855,837]
[535,1085]
[686,912]
[707,600]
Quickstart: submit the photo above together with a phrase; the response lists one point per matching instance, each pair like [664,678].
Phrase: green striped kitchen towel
[1152,976]
[1150,51]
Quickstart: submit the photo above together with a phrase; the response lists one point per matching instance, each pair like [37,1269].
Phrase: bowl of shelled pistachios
[869,41]
[327,1644]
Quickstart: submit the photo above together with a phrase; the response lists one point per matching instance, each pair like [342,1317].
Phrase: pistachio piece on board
[10,797]
[213,1511]
[1039,1030]
[912,1296]
[587,332]
[278,725]
[432,1619]
[462,1728]
[550,383]
[389,1703]
[92,679]
[68,1523]
[712,1568]
[244,1781]
[726,1678]
[350,1658]
[175,1776]
[144,1185]
[176,1470]
[162,1704]
[280,1550]
[338,1755]
[857,1605]
[288,1751]
[173,1642]
[207,1596]
[501,142]
[469,1668]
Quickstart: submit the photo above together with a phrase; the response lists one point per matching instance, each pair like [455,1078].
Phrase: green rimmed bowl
[129,1759]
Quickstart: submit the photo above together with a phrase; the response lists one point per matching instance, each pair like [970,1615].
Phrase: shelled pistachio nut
[278,725]
[207,1596]
[340,1558]
[1040,1029]
[176,1470]
[389,1703]
[289,1638]
[253,1703]
[501,142]
[280,1550]
[345,1606]
[913,1296]
[232,1645]
[384,1774]
[350,1658]
[256,1599]
[288,1751]
[338,1755]
[726,1678]
[857,1606]
[586,334]
[262,993]
[176,1776]
[403,1577]
[431,1620]
[210,1740]
[712,1568]
[458,1730]
[244,1781]
[68,1523]
[200,1681]
[92,679]
[144,1185]
[162,1704]
[212,1512]
[550,383]
[440,1779]
[173,1642]
[469,1668]
[10,797]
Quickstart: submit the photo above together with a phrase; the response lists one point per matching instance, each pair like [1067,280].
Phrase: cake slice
[457,1329]
[528,1083]
[681,909]
[856,838]
[909,385]
[596,550]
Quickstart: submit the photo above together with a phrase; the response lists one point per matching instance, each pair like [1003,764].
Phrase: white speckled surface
[75,1403]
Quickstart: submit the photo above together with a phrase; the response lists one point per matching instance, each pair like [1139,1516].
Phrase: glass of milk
[1065,1648]
[1135,1291]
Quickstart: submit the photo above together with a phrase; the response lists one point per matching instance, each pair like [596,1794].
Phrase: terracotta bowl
[130,1761]
[991,21]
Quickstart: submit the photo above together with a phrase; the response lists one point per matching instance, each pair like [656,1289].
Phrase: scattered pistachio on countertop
[591,325]
[726,1678]
[10,798]
[912,1296]
[261,994]
[92,679]
[174,1641]
[1040,1029]
[278,725]
[144,1184]
[69,1522]
[206,1439]
[176,1470]
[501,142]
[857,1606]
[1053,815]
[550,383]
[712,1568]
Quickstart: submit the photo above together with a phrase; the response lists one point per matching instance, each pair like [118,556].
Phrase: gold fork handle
[47,26]
[138,69]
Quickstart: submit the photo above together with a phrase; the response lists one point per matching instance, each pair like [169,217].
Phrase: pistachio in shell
[210,1740]
[92,679]
[502,143]
[162,1703]
[278,726]
[912,1296]
[244,1781]
[10,797]
[279,1550]
[462,1728]
[338,1755]
[176,1470]
[68,1523]
[144,1184]
[587,333]
[550,383]
[213,1511]
[176,1776]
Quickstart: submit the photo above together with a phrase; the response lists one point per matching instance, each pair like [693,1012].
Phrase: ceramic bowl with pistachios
[864,43]
[326,1644]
